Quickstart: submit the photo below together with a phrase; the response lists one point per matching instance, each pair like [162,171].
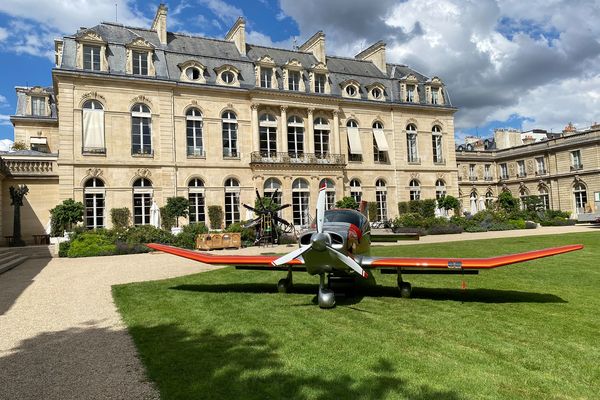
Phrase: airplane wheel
[284,285]
[405,290]
[326,298]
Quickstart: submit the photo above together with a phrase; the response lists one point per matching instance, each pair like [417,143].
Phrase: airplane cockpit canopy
[348,216]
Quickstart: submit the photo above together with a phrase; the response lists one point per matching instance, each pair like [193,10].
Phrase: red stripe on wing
[469,263]
[219,259]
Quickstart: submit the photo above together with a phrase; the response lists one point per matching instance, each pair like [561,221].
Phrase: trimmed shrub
[63,249]
[248,234]
[167,220]
[120,217]
[347,202]
[516,223]
[143,234]
[65,215]
[372,211]
[475,228]
[91,244]
[215,216]
[176,207]
[187,237]
[403,207]
[428,208]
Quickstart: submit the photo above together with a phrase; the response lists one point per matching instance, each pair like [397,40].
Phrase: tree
[65,215]
[533,203]
[215,216]
[20,145]
[265,203]
[448,202]
[347,202]
[372,211]
[176,207]
[120,217]
[507,202]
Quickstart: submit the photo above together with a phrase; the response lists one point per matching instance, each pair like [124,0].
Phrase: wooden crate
[213,241]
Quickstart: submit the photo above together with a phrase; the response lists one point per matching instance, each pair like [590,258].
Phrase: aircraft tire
[284,285]
[405,290]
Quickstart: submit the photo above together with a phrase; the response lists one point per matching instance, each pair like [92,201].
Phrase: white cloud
[3,34]
[5,144]
[3,101]
[225,12]
[5,120]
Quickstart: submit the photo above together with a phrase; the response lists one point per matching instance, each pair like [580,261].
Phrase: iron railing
[297,158]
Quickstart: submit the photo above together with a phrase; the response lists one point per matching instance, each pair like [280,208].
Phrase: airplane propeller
[321,241]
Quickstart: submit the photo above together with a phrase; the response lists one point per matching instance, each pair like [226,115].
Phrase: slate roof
[214,53]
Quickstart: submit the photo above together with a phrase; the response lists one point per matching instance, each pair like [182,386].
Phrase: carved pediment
[38,91]
[90,36]
[319,67]
[140,43]
[266,61]
[435,81]
[293,64]
[410,78]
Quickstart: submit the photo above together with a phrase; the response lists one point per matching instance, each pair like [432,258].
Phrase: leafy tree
[507,202]
[120,217]
[448,202]
[215,216]
[167,220]
[347,202]
[266,203]
[533,203]
[65,215]
[176,207]
[19,145]
[372,211]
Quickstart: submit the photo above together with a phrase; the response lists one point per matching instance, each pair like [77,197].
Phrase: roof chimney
[159,25]
[237,35]
[375,54]
[315,45]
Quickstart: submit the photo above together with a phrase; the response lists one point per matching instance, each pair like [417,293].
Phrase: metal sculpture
[268,223]
[16,197]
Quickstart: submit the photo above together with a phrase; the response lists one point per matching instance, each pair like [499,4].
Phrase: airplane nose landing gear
[405,288]
[285,285]
[326,297]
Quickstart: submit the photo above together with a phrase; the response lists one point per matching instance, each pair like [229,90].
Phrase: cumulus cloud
[3,34]
[5,144]
[497,57]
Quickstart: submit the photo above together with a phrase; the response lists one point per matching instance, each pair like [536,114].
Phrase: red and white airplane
[339,250]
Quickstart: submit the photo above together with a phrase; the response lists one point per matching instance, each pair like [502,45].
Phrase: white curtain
[380,139]
[354,140]
[93,128]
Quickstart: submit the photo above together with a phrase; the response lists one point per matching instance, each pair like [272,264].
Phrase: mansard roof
[214,53]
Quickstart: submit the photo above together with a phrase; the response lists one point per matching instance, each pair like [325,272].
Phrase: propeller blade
[251,208]
[282,207]
[252,223]
[349,262]
[321,209]
[290,256]
[258,195]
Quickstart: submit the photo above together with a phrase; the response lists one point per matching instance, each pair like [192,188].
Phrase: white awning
[38,140]
[380,139]
[354,140]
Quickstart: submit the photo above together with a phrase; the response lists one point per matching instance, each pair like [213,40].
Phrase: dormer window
[193,73]
[38,106]
[434,91]
[266,75]
[91,57]
[292,76]
[139,58]
[320,80]
[139,62]
[91,52]
[294,80]
[228,77]
[410,93]
[376,93]
[350,88]
[434,96]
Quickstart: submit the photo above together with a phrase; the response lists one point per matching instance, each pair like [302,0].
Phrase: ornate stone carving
[92,96]
[94,172]
[414,175]
[530,167]
[141,99]
[143,173]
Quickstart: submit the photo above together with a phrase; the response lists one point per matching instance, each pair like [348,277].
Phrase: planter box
[212,241]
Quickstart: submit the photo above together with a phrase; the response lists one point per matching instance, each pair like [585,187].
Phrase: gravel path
[60,334]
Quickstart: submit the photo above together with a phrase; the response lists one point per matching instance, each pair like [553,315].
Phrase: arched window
[381,199]
[489,199]
[473,202]
[196,199]
[523,195]
[321,135]
[411,140]
[93,127]
[544,197]
[230,139]
[355,190]
[141,130]
[380,145]
[300,205]
[329,191]
[295,136]
[142,201]
[193,123]
[354,145]
[436,144]
[94,195]
[267,128]
[440,189]
[580,194]
[232,201]
[414,189]
[271,186]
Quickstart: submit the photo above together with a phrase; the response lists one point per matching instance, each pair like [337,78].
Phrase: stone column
[254,122]
[336,145]
[310,133]
[283,130]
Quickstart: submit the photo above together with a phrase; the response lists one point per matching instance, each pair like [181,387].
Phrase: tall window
[440,189]
[300,206]
[267,128]
[544,197]
[414,190]
[142,201]
[91,57]
[487,175]
[489,199]
[93,127]
[435,96]
[355,190]
[320,80]
[411,139]
[540,166]
[523,195]
[472,175]
[38,106]
[294,80]
[354,145]
[410,93]
[436,144]
[576,160]
[381,199]
[232,201]
[379,154]
[193,123]
[139,62]
[329,191]
[93,194]
[266,75]
[580,194]
[473,201]
[521,166]
[503,171]
[230,127]
[321,128]
[196,199]
[271,186]
[295,136]
[141,129]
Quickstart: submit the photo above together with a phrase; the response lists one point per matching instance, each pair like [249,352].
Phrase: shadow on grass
[248,365]
[355,295]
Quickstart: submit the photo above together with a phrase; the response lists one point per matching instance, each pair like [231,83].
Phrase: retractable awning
[354,140]
[380,139]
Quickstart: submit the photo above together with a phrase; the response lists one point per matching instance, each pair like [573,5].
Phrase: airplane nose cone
[320,241]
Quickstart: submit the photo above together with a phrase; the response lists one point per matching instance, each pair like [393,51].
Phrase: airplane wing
[425,263]
[219,259]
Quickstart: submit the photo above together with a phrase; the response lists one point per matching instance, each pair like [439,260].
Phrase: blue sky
[505,63]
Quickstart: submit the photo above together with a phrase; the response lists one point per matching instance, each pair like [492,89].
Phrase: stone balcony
[28,163]
[258,157]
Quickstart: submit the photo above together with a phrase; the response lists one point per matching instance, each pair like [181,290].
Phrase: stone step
[5,266]
[8,256]
[39,251]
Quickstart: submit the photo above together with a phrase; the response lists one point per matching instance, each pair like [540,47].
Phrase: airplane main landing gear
[285,285]
[405,288]
[326,297]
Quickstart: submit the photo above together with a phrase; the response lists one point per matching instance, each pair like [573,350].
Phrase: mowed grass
[528,331]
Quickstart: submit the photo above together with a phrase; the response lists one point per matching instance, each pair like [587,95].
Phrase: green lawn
[525,331]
